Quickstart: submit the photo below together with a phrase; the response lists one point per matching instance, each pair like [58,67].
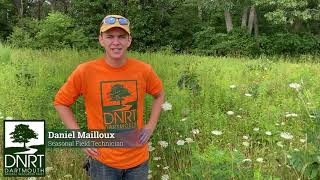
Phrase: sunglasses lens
[110,20]
[123,21]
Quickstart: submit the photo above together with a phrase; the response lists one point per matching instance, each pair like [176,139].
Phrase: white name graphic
[73,134]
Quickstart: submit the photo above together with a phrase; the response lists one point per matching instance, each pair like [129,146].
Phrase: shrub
[59,31]
[56,31]
[20,38]
[236,42]
[289,44]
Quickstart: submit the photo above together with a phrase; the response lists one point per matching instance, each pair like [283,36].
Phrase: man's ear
[101,40]
[130,40]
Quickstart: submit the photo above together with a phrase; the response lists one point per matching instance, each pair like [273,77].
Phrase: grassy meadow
[231,118]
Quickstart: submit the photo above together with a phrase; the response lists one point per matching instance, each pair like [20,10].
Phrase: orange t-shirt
[108,94]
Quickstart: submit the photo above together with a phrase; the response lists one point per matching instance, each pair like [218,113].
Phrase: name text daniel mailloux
[80,135]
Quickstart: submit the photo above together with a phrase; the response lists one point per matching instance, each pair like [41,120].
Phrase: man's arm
[70,122]
[154,116]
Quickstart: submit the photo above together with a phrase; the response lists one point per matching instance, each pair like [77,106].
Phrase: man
[113,88]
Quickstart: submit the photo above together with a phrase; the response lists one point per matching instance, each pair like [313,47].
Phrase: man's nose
[116,41]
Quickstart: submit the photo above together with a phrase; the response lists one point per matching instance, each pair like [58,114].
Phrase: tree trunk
[24,144]
[244,18]
[251,19]
[39,9]
[19,7]
[228,19]
[297,24]
[65,6]
[255,23]
[199,4]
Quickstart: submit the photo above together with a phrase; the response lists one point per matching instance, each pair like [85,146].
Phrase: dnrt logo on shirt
[24,149]
[119,104]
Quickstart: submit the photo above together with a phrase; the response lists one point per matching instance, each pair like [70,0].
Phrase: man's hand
[92,152]
[145,133]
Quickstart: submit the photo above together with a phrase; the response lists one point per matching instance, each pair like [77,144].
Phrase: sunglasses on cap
[112,20]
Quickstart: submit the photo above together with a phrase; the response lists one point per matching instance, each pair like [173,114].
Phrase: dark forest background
[205,27]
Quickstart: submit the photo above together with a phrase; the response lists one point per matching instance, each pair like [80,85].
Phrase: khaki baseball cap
[112,21]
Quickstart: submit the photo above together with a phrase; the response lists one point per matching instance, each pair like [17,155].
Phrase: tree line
[209,27]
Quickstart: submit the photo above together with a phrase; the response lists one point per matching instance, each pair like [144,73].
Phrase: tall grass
[260,99]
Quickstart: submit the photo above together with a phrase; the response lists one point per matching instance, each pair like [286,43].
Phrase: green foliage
[289,43]
[20,38]
[5,54]
[289,11]
[56,31]
[59,31]
[237,42]
[215,163]
[307,163]
[189,80]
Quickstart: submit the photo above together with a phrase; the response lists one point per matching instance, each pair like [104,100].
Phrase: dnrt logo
[24,148]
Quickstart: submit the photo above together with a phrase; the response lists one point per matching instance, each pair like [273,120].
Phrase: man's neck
[115,62]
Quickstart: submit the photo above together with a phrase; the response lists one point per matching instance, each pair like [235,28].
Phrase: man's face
[115,42]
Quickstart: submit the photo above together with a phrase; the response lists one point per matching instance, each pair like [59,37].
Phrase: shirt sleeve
[71,89]
[154,83]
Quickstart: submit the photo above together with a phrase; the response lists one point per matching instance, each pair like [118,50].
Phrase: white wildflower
[296,149]
[245,137]
[195,131]
[233,86]
[180,142]
[238,116]
[216,132]
[189,140]
[165,177]
[268,133]
[32,178]
[48,169]
[260,160]
[291,115]
[151,148]
[245,143]
[149,171]
[165,168]
[163,144]
[289,156]
[283,123]
[67,176]
[295,86]
[149,176]
[302,140]
[156,158]
[230,113]
[280,144]
[246,160]
[286,135]
[183,119]
[248,95]
[256,129]
[166,106]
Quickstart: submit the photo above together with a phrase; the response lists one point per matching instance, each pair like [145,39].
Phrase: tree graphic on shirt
[118,92]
